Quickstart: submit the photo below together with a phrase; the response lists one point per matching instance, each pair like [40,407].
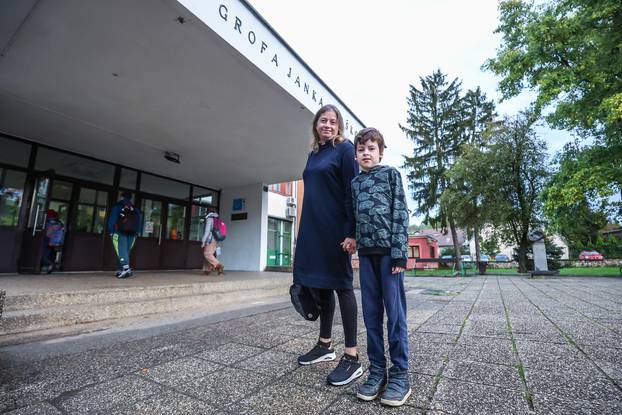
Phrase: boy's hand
[349,245]
[397,270]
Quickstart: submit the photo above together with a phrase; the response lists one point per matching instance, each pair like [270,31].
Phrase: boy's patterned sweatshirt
[381,214]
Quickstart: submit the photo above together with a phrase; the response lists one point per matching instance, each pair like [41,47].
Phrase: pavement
[481,345]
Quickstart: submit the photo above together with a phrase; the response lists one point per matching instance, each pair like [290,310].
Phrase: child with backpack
[53,241]
[382,241]
[124,224]
[215,231]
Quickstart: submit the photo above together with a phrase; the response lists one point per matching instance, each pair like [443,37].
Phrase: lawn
[587,271]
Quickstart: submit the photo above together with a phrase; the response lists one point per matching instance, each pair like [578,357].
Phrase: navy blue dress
[327,218]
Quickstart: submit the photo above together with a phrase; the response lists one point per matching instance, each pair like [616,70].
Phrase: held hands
[396,270]
[349,245]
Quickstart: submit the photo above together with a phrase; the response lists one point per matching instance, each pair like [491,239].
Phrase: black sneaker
[346,371]
[318,354]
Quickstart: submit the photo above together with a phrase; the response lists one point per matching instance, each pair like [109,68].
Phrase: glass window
[62,208]
[61,190]
[91,214]
[14,152]
[204,197]
[165,187]
[197,222]
[175,221]
[152,218]
[74,166]
[11,194]
[128,178]
[413,251]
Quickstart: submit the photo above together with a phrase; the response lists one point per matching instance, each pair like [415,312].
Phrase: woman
[209,245]
[326,239]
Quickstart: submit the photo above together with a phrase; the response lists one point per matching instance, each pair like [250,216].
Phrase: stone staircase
[35,314]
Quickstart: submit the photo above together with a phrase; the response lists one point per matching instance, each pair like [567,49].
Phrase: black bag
[129,220]
[305,302]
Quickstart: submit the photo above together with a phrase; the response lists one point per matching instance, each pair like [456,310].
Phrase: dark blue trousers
[380,291]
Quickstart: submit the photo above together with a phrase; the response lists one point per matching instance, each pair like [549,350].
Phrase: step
[29,314]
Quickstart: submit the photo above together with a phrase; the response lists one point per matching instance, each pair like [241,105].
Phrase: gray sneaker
[398,389]
[375,383]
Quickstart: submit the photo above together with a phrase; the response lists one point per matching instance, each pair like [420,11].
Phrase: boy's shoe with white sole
[318,354]
[398,389]
[346,371]
[375,383]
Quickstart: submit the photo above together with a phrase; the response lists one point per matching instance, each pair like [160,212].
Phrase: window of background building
[74,166]
[11,194]
[202,198]
[164,187]
[91,211]
[14,152]
[413,251]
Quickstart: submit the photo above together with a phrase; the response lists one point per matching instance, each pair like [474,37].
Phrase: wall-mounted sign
[245,31]
[148,227]
[239,204]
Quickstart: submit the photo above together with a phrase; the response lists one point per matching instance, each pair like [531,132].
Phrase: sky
[370,52]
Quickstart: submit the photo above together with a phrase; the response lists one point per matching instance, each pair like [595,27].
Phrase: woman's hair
[315,145]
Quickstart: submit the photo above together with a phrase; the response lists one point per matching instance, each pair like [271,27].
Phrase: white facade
[127,82]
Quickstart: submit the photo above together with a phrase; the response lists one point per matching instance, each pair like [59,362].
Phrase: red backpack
[219,229]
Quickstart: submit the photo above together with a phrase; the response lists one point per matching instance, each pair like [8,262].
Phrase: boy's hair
[370,134]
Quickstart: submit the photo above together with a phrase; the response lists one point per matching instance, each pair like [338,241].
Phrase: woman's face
[327,125]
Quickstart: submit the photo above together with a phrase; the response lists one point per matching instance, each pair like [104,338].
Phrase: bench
[466,265]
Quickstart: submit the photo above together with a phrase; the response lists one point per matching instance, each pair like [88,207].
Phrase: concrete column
[245,248]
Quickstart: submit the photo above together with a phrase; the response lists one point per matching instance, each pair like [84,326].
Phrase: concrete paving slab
[104,396]
[169,402]
[284,398]
[502,376]
[484,349]
[224,387]
[230,353]
[352,405]
[179,371]
[271,363]
[38,409]
[468,398]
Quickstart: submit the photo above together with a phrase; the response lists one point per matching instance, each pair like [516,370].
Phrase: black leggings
[347,304]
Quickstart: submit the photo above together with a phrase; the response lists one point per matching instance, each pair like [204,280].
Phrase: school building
[185,103]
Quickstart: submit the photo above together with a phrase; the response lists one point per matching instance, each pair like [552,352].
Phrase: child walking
[382,240]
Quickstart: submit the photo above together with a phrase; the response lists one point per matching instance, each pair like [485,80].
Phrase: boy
[382,240]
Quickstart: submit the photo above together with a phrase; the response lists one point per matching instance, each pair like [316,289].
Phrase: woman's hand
[397,270]
[349,245]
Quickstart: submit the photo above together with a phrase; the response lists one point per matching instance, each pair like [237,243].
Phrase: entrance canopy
[126,82]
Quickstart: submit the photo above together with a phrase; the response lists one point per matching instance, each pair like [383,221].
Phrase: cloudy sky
[369,52]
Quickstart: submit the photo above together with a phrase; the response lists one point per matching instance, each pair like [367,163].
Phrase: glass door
[32,243]
[174,239]
[148,247]
[279,242]
[87,231]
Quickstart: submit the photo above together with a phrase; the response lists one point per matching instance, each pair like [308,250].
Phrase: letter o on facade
[224,12]
[251,37]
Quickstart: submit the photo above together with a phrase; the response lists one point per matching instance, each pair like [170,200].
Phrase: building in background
[186,103]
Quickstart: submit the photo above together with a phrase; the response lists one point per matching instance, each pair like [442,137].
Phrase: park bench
[466,265]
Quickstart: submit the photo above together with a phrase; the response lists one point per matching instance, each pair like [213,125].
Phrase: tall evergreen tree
[435,125]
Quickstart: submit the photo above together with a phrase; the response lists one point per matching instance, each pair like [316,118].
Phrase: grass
[586,271]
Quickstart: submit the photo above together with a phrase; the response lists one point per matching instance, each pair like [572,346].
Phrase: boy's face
[368,155]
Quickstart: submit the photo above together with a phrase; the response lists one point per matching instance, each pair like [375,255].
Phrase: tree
[569,52]
[577,222]
[435,125]
[490,244]
[509,176]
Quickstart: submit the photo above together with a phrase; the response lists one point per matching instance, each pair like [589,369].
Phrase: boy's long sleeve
[399,221]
